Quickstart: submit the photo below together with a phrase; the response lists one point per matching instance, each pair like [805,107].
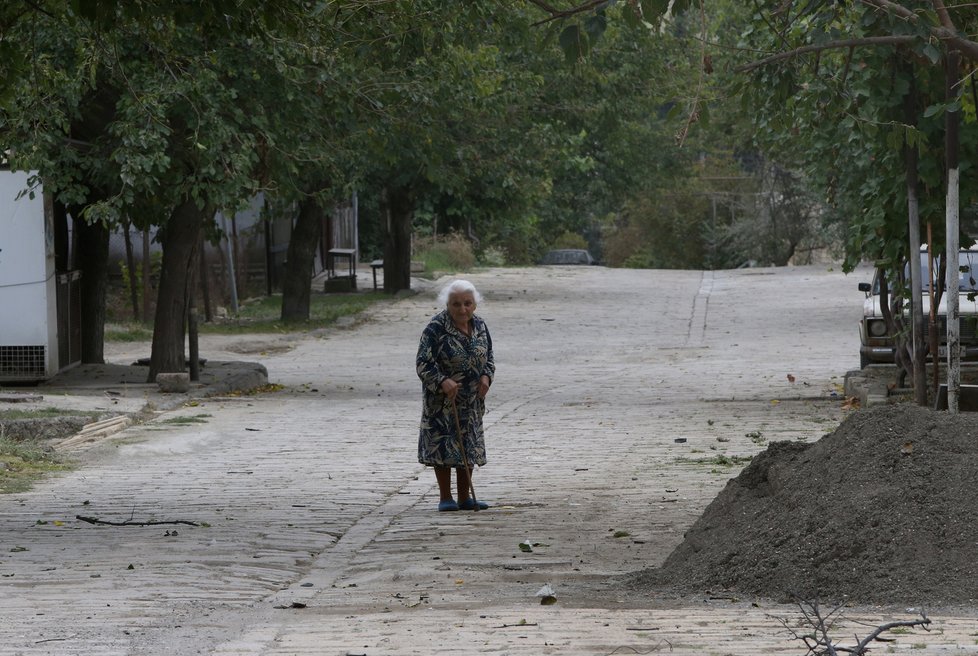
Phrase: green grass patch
[44,413]
[757,437]
[264,315]
[450,253]
[22,463]
[719,461]
[182,421]
[128,332]
[436,262]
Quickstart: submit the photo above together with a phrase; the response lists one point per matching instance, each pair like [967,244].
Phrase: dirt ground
[881,511]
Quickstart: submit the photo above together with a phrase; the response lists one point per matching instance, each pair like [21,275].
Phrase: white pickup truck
[876,342]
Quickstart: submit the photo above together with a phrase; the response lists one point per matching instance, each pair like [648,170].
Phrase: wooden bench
[376,264]
[416,267]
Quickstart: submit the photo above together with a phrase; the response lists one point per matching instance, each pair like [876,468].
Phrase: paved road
[616,393]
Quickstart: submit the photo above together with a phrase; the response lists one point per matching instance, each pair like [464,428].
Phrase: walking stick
[465,458]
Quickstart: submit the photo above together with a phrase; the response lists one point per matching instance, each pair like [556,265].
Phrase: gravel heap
[882,511]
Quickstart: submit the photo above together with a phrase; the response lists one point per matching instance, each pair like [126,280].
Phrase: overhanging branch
[830,45]
[946,33]
[555,13]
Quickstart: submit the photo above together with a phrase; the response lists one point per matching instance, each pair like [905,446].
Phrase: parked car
[568,256]
[876,342]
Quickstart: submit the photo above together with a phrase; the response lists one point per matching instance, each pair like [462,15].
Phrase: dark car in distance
[568,256]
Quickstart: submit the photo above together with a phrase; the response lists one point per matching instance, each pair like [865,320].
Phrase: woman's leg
[444,477]
[463,480]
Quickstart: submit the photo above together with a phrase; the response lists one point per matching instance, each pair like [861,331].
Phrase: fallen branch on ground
[129,522]
[820,643]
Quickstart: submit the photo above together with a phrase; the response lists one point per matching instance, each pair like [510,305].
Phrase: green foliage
[128,332]
[619,141]
[624,246]
[449,253]
[23,462]
[492,257]
[671,231]
[582,31]
[845,116]
[185,421]
[136,276]
[42,413]
[263,315]
[466,104]
[570,240]
[518,240]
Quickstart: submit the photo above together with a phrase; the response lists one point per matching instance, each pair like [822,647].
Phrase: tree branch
[556,14]
[893,8]
[105,522]
[819,641]
[943,15]
[831,45]
[923,622]
[946,33]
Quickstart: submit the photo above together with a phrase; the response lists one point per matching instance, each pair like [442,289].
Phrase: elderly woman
[456,368]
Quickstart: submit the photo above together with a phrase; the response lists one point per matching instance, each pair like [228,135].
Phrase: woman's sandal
[469,504]
[447,505]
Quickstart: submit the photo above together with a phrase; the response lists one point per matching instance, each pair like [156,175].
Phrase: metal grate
[22,362]
[968,327]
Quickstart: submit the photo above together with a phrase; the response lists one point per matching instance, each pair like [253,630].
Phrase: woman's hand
[483,386]
[450,388]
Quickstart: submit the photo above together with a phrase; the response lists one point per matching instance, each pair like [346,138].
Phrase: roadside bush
[451,252]
[570,240]
[623,244]
[493,257]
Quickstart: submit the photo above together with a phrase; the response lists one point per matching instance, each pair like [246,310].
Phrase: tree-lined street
[624,402]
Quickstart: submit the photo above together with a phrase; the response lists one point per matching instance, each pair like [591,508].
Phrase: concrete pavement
[624,401]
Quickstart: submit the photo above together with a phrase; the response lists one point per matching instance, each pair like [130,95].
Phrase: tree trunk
[240,271]
[952,217]
[933,339]
[181,246]
[205,283]
[397,210]
[131,269]
[92,259]
[147,268]
[296,283]
[918,353]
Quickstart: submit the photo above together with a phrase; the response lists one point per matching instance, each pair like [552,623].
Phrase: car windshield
[967,276]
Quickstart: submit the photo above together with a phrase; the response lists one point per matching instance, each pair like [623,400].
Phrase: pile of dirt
[882,511]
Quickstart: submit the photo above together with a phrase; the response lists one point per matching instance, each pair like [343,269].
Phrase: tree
[450,98]
[165,106]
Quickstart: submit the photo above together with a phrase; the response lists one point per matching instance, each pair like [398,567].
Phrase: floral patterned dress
[446,352]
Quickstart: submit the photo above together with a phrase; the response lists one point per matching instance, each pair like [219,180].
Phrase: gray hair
[458,287]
